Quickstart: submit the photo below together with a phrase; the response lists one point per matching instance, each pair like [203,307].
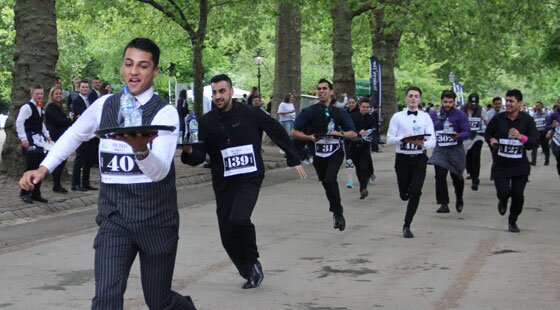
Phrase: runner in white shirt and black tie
[412,131]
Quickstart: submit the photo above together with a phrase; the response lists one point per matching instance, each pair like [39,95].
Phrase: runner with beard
[452,127]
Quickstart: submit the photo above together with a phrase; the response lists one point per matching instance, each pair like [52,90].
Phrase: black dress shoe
[475,184]
[502,207]
[546,162]
[459,205]
[407,233]
[512,227]
[26,198]
[339,222]
[443,208]
[59,189]
[255,277]
[89,188]
[78,189]
[39,199]
[533,163]
[364,193]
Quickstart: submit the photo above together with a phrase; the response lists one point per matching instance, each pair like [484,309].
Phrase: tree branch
[180,21]
[364,7]
[174,4]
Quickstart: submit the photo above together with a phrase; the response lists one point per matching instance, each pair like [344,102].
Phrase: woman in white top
[287,113]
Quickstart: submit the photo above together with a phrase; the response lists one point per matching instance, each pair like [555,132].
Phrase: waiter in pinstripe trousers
[138,201]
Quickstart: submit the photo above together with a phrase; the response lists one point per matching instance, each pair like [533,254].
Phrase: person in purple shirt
[451,127]
[553,132]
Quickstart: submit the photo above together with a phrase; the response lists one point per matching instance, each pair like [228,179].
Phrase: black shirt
[237,127]
[498,128]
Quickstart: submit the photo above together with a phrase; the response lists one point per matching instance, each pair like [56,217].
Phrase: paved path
[456,261]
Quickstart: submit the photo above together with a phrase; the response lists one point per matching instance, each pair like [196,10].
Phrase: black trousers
[514,188]
[411,173]
[442,194]
[361,157]
[327,171]
[32,161]
[557,156]
[57,174]
[234,207]
[543,142]
[116,245]
[82,163]
[473,160]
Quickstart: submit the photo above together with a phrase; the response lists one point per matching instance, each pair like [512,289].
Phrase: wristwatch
[141,154]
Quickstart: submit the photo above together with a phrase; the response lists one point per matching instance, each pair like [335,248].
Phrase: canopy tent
[237,92]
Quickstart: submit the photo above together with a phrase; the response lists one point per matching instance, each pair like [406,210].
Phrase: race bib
[541,123]
[510,148]
[327,146]
[444,140]
[117,164]
[410,148]
[239,160]
[474,123]
[556,136]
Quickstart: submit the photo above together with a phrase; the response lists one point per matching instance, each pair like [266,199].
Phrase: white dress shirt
[155,166]
[25,113]
[401,125]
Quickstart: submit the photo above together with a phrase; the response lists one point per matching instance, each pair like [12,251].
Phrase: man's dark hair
[145,45]
[287,97]
[416,88]
[496,99]
[540,102]
[448,94]
[95,78]
[83,81]
[515,93]
[221,77]
[325,81]
[364,99]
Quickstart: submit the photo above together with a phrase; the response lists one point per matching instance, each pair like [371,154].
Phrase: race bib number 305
[510,148]
[239,160]
[444,140]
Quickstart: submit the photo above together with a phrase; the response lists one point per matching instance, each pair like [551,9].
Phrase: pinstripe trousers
[116,245]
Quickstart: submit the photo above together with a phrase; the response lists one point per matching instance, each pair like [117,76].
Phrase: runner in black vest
[473,144]
[329,154]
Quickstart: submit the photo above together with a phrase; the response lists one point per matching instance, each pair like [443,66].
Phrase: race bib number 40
[117,164]
[239,160]
[510,148]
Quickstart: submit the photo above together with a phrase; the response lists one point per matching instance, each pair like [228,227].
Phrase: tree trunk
[343,77]
[35,60]
[197,41]
[287,67]
[385,38]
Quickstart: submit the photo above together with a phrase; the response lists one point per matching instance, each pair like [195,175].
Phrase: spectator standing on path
[451,127]
[287,113]
[183,108]
[85,156]
[57,121]
[553,133]
[329,151]
[510,134]
[473,144]
[137,207]
[105,89]
[540,120]
[32,132]
[231,135]
[411,158]
[359,151]
[74,94]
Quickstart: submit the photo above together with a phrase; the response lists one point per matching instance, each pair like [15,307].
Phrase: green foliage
[7,47]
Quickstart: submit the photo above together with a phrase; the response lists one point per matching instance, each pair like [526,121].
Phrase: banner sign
[375,84]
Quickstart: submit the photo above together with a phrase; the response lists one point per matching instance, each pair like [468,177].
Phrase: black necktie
[410,112]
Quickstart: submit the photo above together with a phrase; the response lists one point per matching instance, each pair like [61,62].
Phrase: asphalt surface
[456,261]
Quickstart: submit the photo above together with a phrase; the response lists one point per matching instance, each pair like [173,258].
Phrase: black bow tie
[410,112]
